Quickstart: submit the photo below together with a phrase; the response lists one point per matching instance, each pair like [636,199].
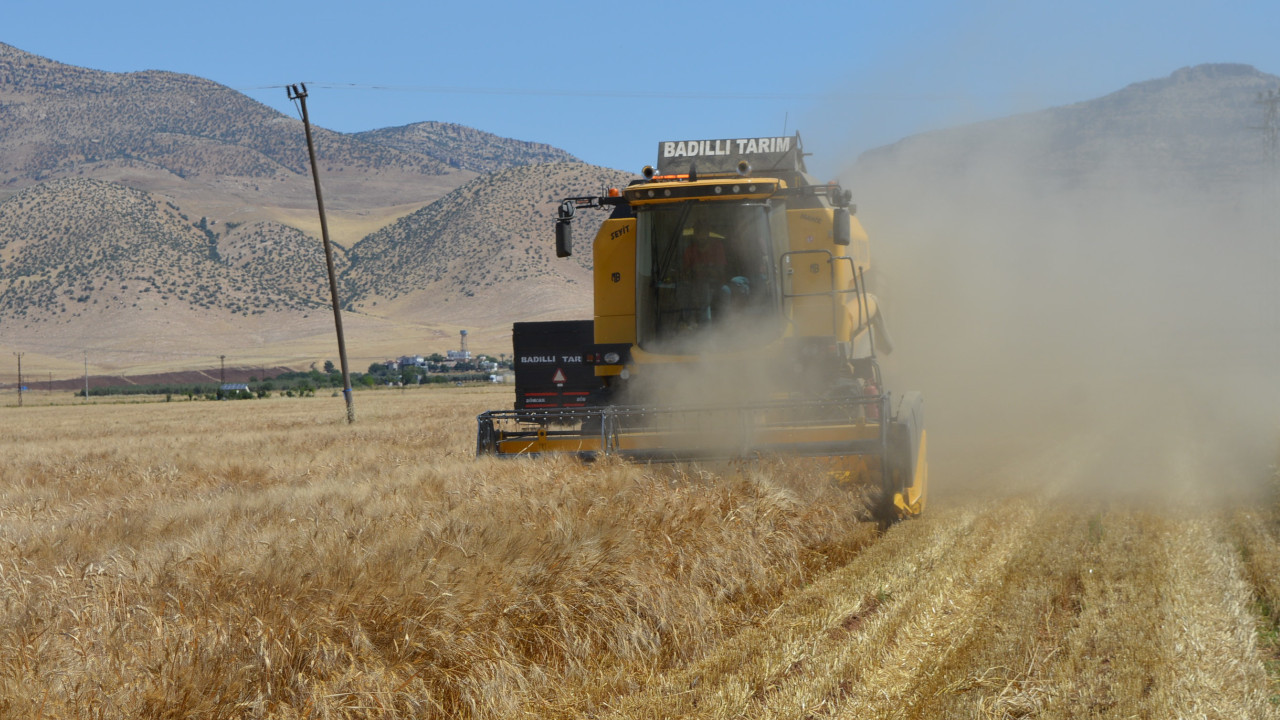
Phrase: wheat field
[263,559]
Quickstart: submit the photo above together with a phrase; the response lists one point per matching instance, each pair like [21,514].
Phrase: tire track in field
[753,664]
[1253,533]
[1210,628]
[1108,663]
[999,672]
[864,636]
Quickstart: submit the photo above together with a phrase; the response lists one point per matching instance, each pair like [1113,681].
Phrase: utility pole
[19,378]
[298,93]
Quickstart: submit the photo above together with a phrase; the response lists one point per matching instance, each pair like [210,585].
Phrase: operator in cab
[705,269]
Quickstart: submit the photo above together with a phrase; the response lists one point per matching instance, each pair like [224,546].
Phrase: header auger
[732,320]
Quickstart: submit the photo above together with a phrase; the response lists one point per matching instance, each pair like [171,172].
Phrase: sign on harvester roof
[677,157]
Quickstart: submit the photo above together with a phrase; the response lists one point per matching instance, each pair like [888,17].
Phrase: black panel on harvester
[551,364]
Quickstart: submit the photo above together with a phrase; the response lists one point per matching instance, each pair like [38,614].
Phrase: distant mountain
[221,154]
[58,119]
[463,148]
[1199,126]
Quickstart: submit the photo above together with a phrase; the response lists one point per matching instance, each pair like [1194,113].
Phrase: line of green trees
[291,384]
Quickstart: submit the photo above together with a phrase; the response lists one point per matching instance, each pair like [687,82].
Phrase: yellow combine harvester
[732,320]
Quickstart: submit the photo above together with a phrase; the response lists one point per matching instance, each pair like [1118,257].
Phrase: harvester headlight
[666,193]
[744,168]
[651,194]
[611,358]
[648,172]
[719,189]
[751,188]
[624,374]
[736,188]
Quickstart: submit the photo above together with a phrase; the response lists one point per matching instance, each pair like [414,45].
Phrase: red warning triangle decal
[559,379]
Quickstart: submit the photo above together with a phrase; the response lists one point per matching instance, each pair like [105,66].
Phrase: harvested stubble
[1059,600]
[262,559]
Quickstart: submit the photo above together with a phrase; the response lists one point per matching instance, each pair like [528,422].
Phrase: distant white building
[226,390]
[458,355]
[413,361]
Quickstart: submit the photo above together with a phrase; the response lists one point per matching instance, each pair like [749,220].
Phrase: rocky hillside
[492,236]
[464,148]
[77,248]
[281,256]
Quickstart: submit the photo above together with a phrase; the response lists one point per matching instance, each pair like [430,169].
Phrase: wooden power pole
[19,378]
[299,93]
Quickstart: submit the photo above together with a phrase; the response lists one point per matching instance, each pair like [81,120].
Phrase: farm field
[264,559]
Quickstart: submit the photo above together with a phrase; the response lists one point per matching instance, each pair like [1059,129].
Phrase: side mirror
[840,231]
[564,238]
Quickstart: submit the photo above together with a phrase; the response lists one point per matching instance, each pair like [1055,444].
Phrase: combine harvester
[732,320]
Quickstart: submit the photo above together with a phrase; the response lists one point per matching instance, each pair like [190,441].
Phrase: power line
[860,95]
[548,92]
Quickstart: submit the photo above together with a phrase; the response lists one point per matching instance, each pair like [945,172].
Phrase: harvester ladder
[836,294]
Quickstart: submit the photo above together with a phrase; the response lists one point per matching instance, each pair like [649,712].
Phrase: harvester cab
[732,319]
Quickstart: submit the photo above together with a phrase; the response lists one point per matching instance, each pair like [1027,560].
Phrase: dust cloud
[723,369]
[1032,306]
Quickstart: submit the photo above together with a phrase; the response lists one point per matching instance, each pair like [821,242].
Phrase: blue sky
[607,81]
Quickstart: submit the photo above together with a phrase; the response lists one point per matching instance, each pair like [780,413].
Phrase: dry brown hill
[91,264]
[77,247]
[484,252]
[464,148]
[211,150]
[216,246]
[60,119]
[281,256]
[132,282]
